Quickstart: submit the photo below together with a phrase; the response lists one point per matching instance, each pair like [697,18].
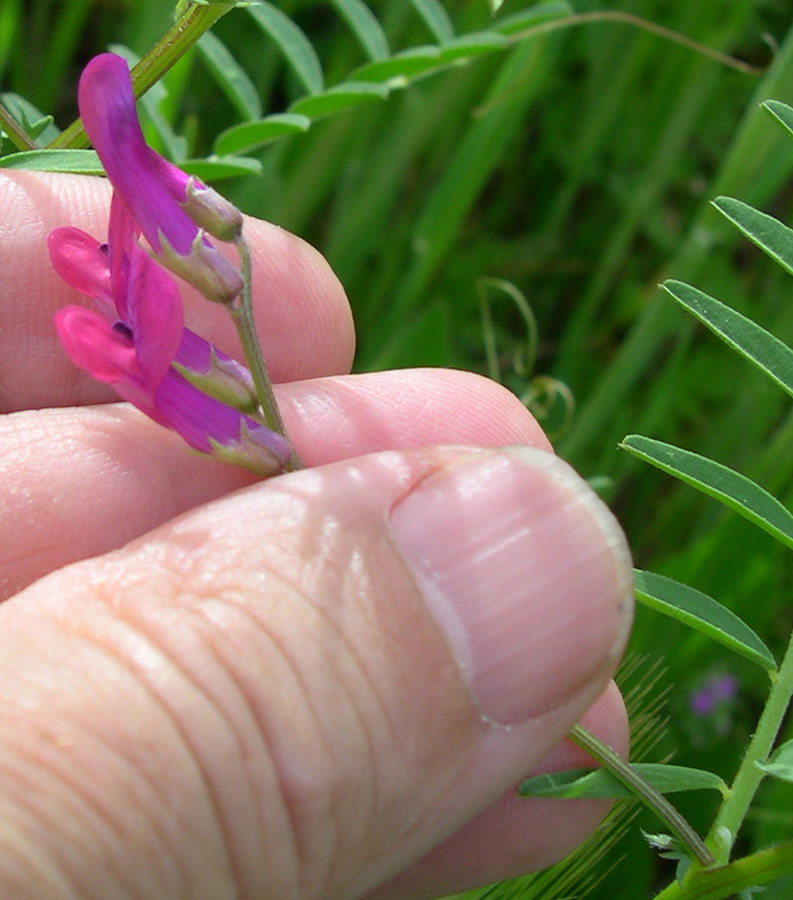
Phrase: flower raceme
[136,340]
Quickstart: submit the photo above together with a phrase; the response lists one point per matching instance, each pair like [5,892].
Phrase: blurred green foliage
[578,165]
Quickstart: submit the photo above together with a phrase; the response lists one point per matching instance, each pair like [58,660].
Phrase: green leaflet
[217,168]
[295,46]
[366,28]
[734,490]
[337,98]
[780,763]
[231,77]
[703,614]
[247,135]
[435,18]
[590,783]
[79,162]
[770,235]
[759,346]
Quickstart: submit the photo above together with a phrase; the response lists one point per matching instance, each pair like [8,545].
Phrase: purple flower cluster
[136,340]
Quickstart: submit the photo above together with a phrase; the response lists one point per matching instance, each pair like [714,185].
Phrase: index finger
[302,314]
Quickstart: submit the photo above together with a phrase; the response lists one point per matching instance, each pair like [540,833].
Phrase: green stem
[733,811]
[171,47]
[242,314]
[15,133]
[723,882]
[627,776]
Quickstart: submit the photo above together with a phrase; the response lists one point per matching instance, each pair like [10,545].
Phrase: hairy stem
[734,809]
[653,799]
[242,314]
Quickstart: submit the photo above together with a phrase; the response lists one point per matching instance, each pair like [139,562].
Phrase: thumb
[300,689]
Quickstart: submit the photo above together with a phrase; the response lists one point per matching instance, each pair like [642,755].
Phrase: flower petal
[82,262]
[92,343]
[204,422]
[149,186]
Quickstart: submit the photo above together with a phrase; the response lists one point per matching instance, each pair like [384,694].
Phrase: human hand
[324,685]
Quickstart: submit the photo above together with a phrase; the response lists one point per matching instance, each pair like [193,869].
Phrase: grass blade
[729,487]
[366,28]
[751,340]
[703,614]
[295,46]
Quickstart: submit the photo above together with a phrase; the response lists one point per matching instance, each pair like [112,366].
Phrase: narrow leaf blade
[402,66]
[295,46]
[230,76]
[729,487]
[751,340]
[80,162]
[218,168]
[339,97]
[770,235]
[474,44]
[248,135]
[366,28]
[703,614]
[435,18]
[780,763]
[534,15]
[593,783]
[780,111]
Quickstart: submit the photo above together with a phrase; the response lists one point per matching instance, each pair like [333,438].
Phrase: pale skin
[212,687]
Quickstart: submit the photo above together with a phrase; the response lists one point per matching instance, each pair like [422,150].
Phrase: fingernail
[526,571]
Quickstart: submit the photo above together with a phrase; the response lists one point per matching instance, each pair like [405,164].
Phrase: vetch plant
[137,342]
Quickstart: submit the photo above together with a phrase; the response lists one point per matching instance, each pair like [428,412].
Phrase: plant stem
[171,47]
[734,809]
[15,133]
[726,881]
[242,314]
[627,776]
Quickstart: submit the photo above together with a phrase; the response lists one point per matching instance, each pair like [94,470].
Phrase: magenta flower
[165,202]
[138,344]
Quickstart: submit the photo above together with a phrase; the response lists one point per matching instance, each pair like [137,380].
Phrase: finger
[517,835]
[81,481]
[301,310]
[303,687]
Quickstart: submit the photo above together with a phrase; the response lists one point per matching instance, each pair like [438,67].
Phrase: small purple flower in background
[714,692]
[712,707]
[137,341]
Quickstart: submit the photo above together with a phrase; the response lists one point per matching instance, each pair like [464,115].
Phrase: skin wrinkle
[141,631]
[160,703]
[172,855]
[288,657]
